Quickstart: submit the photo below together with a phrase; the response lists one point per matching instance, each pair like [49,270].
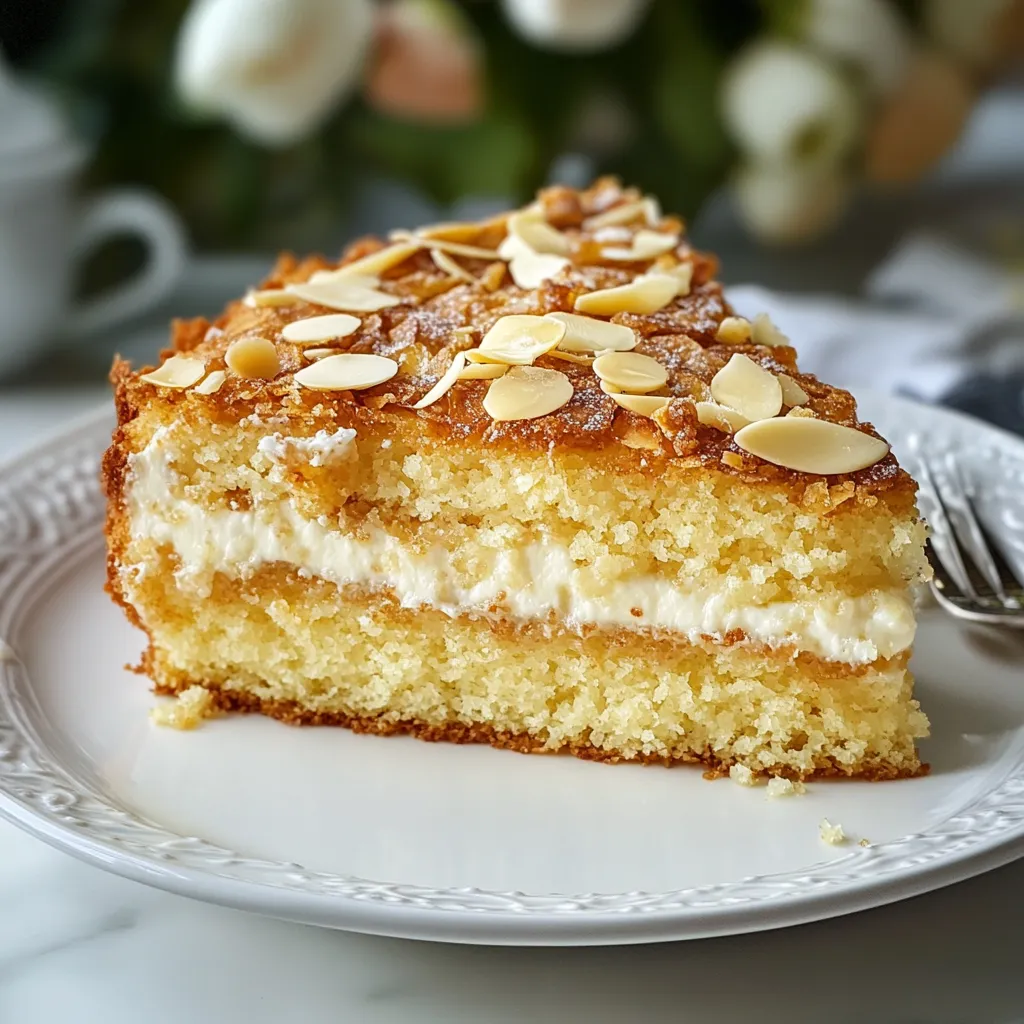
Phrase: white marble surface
[77,945]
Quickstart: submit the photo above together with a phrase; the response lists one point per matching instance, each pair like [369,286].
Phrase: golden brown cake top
[650,361]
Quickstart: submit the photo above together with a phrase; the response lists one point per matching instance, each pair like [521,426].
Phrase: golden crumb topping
[582,321]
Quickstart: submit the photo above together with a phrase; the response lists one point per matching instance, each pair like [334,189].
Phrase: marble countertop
[78,946]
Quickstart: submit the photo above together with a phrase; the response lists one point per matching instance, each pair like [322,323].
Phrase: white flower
[783,204]
[575,24]
[782,103]
[870,34]
[965,28]
[274,68]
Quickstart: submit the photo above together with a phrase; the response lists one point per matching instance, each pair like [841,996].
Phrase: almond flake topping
[347,371]
[792,393]
[733,330]
[455,248]
[721,417]
[450,266]
[380,261]
[624,213]
[646,293]
[683,273]
[643,405]
[211,383]
[351,295]
[526,393]
[764,332]
[319,353]
[320,328]
[482,371]
[270,297]
[531,269]
[445,383]
[586,334]
[177,372]
[810,445]
[519,339]
[530,228]
[253,358]
[748,388]
[646,245]
[580,358]
[631,371]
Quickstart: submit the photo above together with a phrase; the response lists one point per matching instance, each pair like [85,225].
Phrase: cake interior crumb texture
[613,588]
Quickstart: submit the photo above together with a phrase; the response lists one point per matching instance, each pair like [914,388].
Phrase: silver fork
[972,579]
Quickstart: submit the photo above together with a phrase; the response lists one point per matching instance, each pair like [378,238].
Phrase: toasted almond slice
[531,269]
[585,334]
[631,371]
[177,372]
[733,330]
[483,371]
[254,358]
[610,389]
[580,358]
[269,297]
[721,417]
[351,280]
[748,388]
[511,247]
[337,293]
[612,234]
[211,383]
[452,268]
[530,227]
[652,210]
[450,231]
[527,392]
[624,213]
[792,393]
[444,383]
[380,261]
[811,445]
[348,371]
[646,293]
[643,405]
[455,248]
[320,328]
[319,353]
[646,245]
[519,339]
[764,332]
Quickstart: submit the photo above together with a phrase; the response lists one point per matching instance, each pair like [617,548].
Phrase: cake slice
[529,482]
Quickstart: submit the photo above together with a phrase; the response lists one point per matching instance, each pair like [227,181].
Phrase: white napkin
[921,329]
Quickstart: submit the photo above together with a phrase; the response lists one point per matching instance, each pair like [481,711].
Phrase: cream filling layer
[529,583]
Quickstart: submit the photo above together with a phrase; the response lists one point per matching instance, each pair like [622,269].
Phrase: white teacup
[46,233]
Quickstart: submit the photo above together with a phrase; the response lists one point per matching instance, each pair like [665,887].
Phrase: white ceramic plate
[399,837]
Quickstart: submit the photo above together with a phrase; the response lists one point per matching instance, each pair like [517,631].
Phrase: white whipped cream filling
[529,583]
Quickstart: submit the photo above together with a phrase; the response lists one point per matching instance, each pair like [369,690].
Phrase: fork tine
[945,545]
[972,540]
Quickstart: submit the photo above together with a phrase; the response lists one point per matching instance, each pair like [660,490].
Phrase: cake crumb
[779,786]
[742,775]
[831,834]
[864,842]
[186,712]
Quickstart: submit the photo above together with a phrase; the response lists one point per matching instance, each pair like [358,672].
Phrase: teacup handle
[128,212]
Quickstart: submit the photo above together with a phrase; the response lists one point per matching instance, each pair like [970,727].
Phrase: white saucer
[399,837]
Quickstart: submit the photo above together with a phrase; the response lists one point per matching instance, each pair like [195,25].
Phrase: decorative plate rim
[51,509]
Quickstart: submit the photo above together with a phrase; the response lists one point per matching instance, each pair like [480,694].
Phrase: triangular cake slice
[529,482]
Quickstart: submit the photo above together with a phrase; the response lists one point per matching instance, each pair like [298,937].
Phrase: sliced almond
[446,381]
[684,275]
[614,233]
[270,297]
[319,353]
[483,371]
[646,245]
[531,269]
[177,372]
[451,231]
[527,392]
[647,293]
[624,213]
[643,405]
[652,210]
[352,296]
[721,417]
[792,393]
[799,410]
[320,328]
[811,445]
[380,261]
[455,248]
[450,266]
[610,389]
[764,332]
[519,339]
[211,383]
[734,330]
[585,334]
[253,358]
[530,227]
[348,371]
[631,371]
[580,358]
[748,388]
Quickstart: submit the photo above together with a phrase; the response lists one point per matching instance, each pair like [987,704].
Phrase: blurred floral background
[261,119]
